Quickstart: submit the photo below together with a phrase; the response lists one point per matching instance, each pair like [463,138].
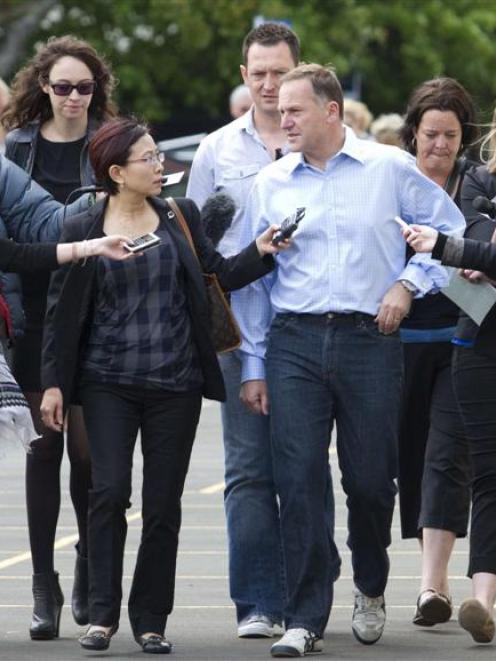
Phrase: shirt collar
[246,123]
[352,147]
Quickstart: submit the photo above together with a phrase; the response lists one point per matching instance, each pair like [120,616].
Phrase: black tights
[43,483]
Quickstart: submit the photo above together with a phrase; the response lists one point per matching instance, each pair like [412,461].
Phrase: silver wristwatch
[409,286]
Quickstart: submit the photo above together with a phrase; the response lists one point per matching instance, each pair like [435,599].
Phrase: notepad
[476,299]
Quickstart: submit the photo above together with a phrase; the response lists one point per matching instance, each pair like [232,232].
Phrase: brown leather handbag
[224,329]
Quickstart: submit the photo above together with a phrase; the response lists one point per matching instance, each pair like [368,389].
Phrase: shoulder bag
[224,329]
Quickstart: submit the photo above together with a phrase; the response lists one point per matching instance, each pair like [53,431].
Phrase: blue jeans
[252,511]
[320,369]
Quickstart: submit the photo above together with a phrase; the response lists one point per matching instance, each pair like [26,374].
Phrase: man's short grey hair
[324,81]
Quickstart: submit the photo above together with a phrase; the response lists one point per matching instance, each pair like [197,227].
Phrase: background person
[434,463]
[474,378]
[239,101]
[130,340]
[15,418]
[386,129]
[58,100]
[227,161]
[358,117]
[4,99]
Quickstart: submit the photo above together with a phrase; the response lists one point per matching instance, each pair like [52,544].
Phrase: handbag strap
[182,223]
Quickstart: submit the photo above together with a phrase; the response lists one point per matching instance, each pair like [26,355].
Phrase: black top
[57,168]
[478,181]
[141,331]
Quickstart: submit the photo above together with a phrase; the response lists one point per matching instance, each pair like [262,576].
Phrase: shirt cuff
[253,369]
[415,274]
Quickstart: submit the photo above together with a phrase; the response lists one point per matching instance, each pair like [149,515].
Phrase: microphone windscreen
[217,214]
[484,205]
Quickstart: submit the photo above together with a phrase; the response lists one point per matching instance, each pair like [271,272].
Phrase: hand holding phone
[143,242]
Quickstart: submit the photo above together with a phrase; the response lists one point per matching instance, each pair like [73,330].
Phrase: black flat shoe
[154,644]
[97,640]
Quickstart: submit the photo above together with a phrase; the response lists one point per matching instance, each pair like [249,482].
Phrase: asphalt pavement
[202,626]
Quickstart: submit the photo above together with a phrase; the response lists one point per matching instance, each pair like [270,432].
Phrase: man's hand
[254,395]
[394,307]
[51,409]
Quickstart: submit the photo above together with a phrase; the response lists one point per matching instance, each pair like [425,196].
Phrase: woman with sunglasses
[58,101]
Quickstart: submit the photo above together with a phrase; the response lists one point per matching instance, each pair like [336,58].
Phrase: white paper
[476,299]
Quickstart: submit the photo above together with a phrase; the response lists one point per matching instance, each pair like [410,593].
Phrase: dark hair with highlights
[111,145]
[29,101]
[271,34]
[444,94]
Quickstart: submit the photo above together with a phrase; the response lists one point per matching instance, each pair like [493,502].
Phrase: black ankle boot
[48,602]
[80,610]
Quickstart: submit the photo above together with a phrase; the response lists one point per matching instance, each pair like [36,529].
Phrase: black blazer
[70,298]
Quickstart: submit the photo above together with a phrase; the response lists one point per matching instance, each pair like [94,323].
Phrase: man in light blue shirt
[227,161]
[321,343]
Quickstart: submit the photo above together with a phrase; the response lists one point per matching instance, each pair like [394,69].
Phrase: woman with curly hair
[59,99]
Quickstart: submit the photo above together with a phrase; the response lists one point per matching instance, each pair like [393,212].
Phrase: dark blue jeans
[322,369]
[255,565]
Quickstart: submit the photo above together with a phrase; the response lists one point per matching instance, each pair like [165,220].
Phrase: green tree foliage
[173,56]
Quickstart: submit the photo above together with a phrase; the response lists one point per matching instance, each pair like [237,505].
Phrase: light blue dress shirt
[347,251]
[227,161]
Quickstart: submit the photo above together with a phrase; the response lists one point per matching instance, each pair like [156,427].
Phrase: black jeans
[474,378]
[434,461]
[114,414]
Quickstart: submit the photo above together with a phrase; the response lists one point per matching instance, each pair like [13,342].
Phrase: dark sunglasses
[65,89]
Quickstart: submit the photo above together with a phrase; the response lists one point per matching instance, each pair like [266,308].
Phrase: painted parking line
[59,544]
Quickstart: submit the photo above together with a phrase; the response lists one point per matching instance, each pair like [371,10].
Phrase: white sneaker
[297,642]
[369,618]
[256,626]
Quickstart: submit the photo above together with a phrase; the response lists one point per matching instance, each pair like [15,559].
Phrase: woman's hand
[475,276]
[421,238]
[52,409]
[112,247]
[264,242]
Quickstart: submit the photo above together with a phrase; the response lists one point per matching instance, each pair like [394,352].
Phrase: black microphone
[217,214]
[484,205]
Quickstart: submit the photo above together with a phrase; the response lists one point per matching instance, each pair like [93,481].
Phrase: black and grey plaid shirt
[141,332]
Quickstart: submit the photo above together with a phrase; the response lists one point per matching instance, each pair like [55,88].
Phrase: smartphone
[170,179]
[288,226]
[401,223]
[143,242]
